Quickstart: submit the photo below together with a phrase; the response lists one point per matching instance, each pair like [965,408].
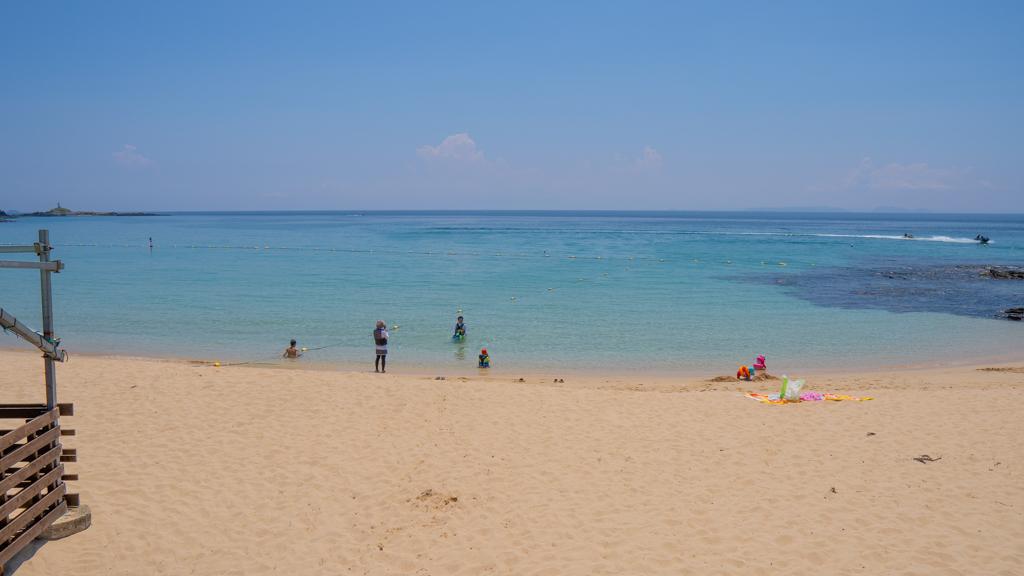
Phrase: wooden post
[47,297]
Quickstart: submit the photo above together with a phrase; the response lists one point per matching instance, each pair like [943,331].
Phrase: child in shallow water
[291,351]
[460,329]
[485,359]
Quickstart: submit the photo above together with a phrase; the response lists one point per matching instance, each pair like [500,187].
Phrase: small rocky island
[61,211]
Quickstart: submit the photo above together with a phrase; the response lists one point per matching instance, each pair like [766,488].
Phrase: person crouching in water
[380,340]
[291,351]
[485,359]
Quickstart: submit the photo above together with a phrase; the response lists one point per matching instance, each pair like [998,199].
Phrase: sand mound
[435,501]
[761,377]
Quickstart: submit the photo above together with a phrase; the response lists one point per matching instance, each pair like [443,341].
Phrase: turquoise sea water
[608,291]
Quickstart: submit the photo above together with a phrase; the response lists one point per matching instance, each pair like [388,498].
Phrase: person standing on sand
[380,340]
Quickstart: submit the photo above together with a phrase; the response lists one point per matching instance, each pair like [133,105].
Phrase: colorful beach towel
[806,397]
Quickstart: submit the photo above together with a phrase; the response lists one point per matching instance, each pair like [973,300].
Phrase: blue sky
[718,105]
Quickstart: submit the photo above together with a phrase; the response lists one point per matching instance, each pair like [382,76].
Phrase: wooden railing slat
[21,432]
[35,445]
[32,532]
[21,474]
[35,489]
[22,520]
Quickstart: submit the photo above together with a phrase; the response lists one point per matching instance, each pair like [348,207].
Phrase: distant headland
[62,211]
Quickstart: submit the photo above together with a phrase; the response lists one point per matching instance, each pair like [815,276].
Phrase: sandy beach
[192,469]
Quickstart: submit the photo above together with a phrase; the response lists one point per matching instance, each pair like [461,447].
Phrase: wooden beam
[7,249]
[33,410]
[22,410]
[55,266]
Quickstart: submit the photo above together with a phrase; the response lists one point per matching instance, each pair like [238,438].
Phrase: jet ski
[981,239]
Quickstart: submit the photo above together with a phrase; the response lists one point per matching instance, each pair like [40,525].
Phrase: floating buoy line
[371,251]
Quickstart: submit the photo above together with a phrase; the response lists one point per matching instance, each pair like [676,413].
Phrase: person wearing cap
[485,359]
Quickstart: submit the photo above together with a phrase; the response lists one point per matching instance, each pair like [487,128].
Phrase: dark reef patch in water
[966,290]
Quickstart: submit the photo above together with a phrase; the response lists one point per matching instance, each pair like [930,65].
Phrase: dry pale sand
[200,470]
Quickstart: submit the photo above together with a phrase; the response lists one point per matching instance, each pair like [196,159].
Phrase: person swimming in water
[291,351]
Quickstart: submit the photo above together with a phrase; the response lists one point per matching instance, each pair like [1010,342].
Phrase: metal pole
[47,298]
[8,322]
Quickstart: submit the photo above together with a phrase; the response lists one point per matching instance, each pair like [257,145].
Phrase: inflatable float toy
[759,363]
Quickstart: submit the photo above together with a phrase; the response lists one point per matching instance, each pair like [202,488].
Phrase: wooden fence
[32,490]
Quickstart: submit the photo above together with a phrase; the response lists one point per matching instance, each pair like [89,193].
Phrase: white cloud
[460,147]
[649,159]
[910,177]
[129,155]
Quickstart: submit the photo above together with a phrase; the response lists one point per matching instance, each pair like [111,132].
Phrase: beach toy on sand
[743,373]
[216,364]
